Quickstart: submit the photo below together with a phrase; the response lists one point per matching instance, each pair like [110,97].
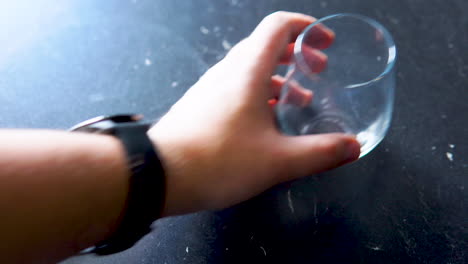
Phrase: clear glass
[348,77]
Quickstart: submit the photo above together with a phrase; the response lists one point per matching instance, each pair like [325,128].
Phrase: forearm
[59,192]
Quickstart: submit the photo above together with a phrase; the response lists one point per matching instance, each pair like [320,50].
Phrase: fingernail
[352,151]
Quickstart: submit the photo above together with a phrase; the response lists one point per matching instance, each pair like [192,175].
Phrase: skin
[62,192]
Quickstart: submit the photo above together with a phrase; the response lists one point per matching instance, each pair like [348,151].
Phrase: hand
[219,142]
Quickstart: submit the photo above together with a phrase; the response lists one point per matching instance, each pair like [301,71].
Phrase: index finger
[267,46]
[317,37]
[271,38]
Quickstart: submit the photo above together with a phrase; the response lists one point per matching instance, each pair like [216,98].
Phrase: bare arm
[59,193]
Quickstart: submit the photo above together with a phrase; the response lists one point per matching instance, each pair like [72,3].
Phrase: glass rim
[392,51]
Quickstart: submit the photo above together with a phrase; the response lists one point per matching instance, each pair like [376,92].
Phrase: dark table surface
[64,61]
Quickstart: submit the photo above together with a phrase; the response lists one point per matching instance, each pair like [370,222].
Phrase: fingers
[315,59]
[311,154]
[296,94]
[258,55]
[272,42]
[273,35]
[286,58]
[277,83]
[317,38]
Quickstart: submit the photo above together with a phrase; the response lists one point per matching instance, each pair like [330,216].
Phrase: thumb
[311,154]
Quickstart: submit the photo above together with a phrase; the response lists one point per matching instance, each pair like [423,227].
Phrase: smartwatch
[147,182]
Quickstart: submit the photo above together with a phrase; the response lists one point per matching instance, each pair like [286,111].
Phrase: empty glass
[342,80]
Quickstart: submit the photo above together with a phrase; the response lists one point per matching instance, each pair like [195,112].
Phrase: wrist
[176,158]
[166,155]
[146,181]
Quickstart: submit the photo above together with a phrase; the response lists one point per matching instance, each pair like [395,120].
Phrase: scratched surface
[65,61]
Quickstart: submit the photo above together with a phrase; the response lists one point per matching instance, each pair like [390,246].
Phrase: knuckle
[279,14]
[279,17]
[239,48]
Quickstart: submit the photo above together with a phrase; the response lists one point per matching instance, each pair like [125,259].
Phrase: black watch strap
[147,183]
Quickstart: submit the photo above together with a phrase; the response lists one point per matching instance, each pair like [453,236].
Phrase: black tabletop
[65,61]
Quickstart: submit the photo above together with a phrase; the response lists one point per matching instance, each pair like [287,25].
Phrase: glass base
[368,139]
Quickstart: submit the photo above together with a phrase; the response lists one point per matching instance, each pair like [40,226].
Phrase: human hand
[219,142]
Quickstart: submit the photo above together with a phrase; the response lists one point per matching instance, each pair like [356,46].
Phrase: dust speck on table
[290,203]
[449,156]
[264,251]
[148,62]
[375,248]
[204,30]
[174,84]
[226,45]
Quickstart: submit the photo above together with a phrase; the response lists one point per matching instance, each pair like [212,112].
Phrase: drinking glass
[342,79]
